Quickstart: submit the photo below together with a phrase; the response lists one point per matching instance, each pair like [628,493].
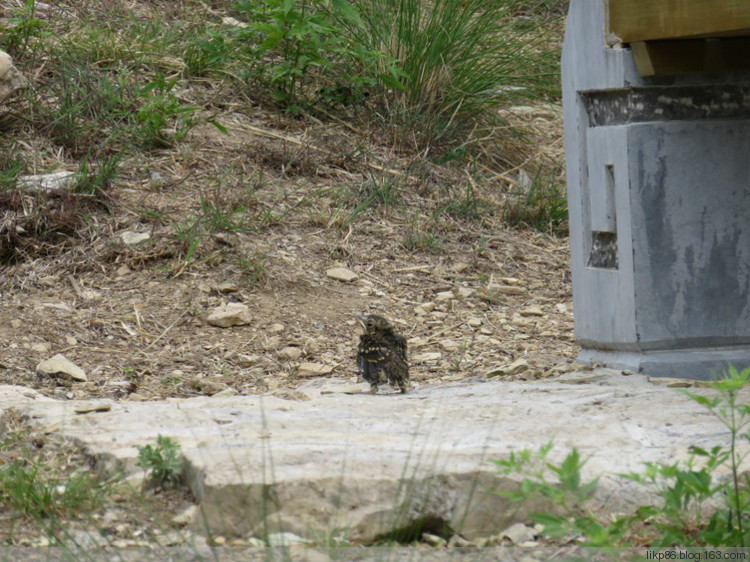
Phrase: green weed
[209,53]
[457,60]
[420,236]
[681,518]
[291,40]
[543,205]
[32,489]
[161,118]
[162,461]
[16,38]
[253,267]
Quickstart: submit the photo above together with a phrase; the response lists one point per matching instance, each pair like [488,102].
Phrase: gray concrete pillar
[658,173]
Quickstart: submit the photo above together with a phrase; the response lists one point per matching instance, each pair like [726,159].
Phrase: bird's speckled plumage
[381,355]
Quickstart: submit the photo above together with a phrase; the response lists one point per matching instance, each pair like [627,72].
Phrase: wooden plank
[645,20]
[691,56]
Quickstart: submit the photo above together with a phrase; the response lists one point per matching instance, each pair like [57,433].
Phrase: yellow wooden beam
[645,20]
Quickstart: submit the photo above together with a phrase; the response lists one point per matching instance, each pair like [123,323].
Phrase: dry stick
[344,123]
[164,333]
[272,135]
[76,286]
[440,333]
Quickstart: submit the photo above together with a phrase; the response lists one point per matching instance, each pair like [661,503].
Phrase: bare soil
[134,317]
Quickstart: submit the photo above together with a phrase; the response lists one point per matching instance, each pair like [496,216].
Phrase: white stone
[285,539]
[230,314]
[59,365]
[433,540]
[11,80]
[289,354]
[532,311]
[131,238]
[313,370]
[185,517]
[518,533]
[342,274]
[450,345]
[444,296]
[425,308]
[47,182]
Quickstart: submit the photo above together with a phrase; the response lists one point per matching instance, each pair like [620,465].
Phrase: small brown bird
[381,355]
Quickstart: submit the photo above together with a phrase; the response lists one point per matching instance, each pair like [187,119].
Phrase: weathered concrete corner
[658,195]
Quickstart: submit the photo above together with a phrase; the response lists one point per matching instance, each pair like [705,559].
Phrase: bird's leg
[403,389]
[373,389]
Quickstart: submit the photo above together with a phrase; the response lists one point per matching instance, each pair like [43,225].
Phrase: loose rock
[11,80]
[185,516]
[47,182]
[342,274]
[433,540]
[518,533]
[285,539]
[93,406]
[206,385]
[532,311]
[313,370]
[40,347]
[131,238]
[518,366]
[290,354]
[231,314]
[450,345]
[59,365]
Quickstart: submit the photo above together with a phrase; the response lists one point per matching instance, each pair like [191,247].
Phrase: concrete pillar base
[659,202]
[694,364]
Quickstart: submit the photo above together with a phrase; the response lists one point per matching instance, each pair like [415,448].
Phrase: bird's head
[373,323]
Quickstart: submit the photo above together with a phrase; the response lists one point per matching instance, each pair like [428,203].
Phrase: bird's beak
[361,320]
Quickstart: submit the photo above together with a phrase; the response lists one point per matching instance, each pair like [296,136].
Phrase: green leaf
[347,11]
[219,126]
[555,526]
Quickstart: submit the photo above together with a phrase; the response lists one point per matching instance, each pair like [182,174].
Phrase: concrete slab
[365,465]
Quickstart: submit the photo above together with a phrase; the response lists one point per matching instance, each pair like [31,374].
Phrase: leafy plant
[293,38]
[298,31]
[24,26]
[210,52]
[684,488]
[160,111]
[163,460]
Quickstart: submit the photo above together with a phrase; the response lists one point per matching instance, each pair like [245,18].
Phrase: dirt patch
[257,216]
